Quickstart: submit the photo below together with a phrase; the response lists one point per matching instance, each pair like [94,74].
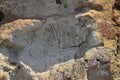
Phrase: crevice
[75,45]
[115,18]
[58,1]
[117,5]
[1,16]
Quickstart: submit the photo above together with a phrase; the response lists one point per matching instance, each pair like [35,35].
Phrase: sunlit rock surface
[59,40]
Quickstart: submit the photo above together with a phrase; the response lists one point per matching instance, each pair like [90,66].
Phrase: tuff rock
[59,40]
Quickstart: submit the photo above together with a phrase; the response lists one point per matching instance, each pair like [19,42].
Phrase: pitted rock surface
[59,40]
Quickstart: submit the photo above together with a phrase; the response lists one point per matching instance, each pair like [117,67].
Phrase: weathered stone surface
[99,62]
[56,42]
[38,8]
[42,9]
[95,65]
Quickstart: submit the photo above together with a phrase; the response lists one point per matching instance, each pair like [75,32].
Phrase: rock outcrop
[59,40]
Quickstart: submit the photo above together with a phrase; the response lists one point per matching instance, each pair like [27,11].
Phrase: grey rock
[54,40]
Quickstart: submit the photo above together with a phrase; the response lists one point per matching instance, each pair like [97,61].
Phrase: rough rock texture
[52,41]
[59,40]
[44,8]
[95,65]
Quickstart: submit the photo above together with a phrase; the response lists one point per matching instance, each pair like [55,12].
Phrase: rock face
[91,67]
[99,60]
[43,8]
[53,41]
[59,40]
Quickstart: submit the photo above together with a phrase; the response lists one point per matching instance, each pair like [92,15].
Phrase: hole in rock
[97,60]
[117,4]
[58,1]
[1,15]
[86,60]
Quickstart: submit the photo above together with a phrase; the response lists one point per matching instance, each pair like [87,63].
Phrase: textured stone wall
[59,40]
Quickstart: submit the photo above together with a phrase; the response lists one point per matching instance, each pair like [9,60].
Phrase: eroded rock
[57,43]
[54,41]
